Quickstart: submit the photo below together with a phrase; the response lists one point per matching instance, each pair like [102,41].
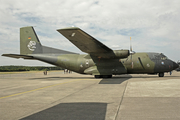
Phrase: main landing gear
[103,76]
[161,74]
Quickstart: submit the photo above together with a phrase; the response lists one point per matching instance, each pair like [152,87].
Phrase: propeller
[131,52]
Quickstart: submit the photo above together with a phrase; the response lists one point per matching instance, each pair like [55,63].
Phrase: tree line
[27,68]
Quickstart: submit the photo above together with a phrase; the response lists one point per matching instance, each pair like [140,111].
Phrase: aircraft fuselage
[138,63]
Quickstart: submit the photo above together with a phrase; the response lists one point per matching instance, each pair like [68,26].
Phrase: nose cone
[175,65]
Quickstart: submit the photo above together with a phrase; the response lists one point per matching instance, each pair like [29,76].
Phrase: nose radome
[175,65]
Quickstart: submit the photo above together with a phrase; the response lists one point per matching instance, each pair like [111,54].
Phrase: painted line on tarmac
[39,89]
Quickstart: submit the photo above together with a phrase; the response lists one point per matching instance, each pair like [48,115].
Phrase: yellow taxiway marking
[39,89]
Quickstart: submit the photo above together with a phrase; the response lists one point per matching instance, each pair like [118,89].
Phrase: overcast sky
[153,25]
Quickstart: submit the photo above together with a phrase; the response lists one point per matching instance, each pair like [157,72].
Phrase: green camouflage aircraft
[101,61]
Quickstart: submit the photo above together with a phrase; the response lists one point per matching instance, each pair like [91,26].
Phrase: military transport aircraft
[101,61]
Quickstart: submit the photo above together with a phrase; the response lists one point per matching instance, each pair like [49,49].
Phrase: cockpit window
[160,56]
[163,57]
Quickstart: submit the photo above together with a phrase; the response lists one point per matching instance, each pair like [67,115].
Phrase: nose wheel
[161,74]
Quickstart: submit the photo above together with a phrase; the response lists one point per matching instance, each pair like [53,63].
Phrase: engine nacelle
[121,53]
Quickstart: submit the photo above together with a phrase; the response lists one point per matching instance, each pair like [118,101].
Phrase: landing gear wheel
[98,76]
[107,76]
[161,74]
[103,76]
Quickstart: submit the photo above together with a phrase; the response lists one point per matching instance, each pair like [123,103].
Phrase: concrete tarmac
[59,96]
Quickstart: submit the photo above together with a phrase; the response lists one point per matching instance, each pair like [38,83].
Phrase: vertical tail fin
[29,42]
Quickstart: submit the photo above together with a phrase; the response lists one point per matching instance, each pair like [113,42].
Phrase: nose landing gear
[161,74]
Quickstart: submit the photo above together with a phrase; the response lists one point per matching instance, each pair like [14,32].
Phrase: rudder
[29,42]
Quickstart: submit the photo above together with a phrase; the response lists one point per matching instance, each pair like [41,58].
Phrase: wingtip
[68,28]
[26,27]
[3,54]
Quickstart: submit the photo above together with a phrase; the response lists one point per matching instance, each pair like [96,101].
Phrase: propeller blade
[131,53]
[130,45]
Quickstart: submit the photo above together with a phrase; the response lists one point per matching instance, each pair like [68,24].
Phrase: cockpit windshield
[159,56]
[163,57]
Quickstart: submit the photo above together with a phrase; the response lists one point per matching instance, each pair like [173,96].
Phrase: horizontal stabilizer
[18,56]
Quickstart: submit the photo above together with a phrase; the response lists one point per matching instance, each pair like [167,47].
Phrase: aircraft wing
[18,56]
[84,41]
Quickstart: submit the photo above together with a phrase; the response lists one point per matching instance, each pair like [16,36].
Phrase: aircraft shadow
[155,76]
[115,79]
[71,111]
[60,78]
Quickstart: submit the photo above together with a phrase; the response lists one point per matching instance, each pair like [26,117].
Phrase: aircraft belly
[105,67]
[96,70]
